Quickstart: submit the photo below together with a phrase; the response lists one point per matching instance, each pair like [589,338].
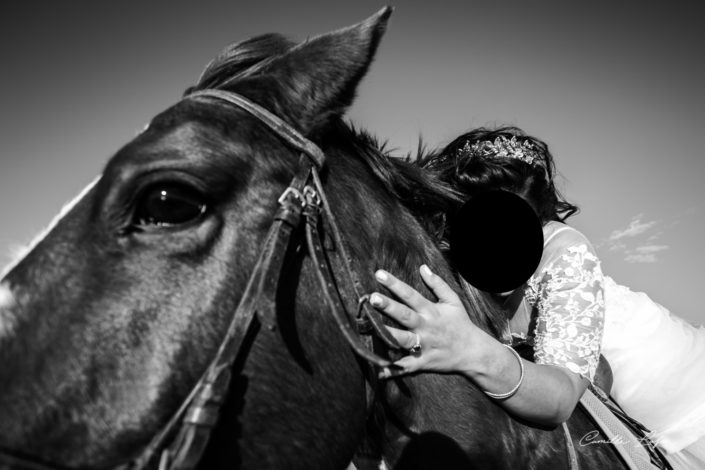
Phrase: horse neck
[382,233]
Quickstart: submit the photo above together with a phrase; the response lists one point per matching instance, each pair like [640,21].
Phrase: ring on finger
[416,348]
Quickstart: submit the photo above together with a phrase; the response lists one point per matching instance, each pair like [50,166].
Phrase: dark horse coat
[113,316]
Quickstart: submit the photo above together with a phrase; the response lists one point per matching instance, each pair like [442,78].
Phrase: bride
[567,311]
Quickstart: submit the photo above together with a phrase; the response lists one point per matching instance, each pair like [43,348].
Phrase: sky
[615,88]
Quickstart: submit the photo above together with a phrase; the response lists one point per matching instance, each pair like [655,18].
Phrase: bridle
[181,443]
[304,196]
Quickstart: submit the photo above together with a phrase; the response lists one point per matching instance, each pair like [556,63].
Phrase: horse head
[114,314]
[111,321]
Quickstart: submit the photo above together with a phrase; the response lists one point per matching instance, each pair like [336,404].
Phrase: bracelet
[502,396]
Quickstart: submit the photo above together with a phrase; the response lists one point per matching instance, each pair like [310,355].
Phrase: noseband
[181,443]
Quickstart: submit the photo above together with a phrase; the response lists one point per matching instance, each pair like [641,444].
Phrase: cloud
[636,227]
[646,249]
[644,253]
[640,258]
[642,233]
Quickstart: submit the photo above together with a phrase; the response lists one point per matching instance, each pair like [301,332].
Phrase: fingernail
[381,275]
[426,270]
[376,300]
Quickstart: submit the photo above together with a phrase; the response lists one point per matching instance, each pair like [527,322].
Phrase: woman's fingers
[403,291]
[406,339]
[434,333]
[405,365]
[395,310]
[439,287]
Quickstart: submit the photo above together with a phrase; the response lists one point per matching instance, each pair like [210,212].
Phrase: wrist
[513,390]
[479,361]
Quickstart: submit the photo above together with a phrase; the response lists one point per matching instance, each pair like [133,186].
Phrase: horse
[110,322]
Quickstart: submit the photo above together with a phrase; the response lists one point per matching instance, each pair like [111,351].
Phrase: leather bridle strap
[198,415]
[570,448]
[281,128]
[259,298]
[181,444]
[373,318]
[325,278]
[295,140]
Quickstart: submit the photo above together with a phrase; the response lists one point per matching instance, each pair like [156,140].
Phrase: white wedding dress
[658,364]
[571,313]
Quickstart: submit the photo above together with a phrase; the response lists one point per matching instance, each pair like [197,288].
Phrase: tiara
[502,147]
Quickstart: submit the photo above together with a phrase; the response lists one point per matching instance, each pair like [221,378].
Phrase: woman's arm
[450,342]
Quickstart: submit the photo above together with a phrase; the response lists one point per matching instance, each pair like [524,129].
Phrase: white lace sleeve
[568,295]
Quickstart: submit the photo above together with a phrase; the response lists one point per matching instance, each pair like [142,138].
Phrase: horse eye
[166,205]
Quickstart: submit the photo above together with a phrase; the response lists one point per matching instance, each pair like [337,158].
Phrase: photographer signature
[593,437]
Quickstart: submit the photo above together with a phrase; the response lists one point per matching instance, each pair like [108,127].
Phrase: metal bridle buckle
[311,196]
[361,304]
[295,193]
[364,325]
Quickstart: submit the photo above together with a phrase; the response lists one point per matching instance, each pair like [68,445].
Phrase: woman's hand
[450,342]
[442,329]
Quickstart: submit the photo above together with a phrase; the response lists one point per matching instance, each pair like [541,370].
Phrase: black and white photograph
[352,235]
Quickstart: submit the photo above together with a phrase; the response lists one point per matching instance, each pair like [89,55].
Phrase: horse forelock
[241,60]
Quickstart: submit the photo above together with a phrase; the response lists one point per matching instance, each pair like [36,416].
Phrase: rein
[181,443]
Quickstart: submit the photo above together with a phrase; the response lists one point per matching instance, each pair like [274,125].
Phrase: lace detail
[568,295]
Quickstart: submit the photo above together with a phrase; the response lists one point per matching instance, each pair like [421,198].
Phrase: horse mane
[428,199]
[419,191]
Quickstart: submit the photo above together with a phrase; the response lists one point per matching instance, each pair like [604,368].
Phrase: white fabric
[553,233]
[568,296]
[690,458]
[658,363]
[657,359]
[562,315]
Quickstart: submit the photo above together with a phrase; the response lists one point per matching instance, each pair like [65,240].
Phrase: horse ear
[318,77]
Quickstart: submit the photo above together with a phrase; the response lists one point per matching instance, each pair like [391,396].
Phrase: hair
[471,174]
